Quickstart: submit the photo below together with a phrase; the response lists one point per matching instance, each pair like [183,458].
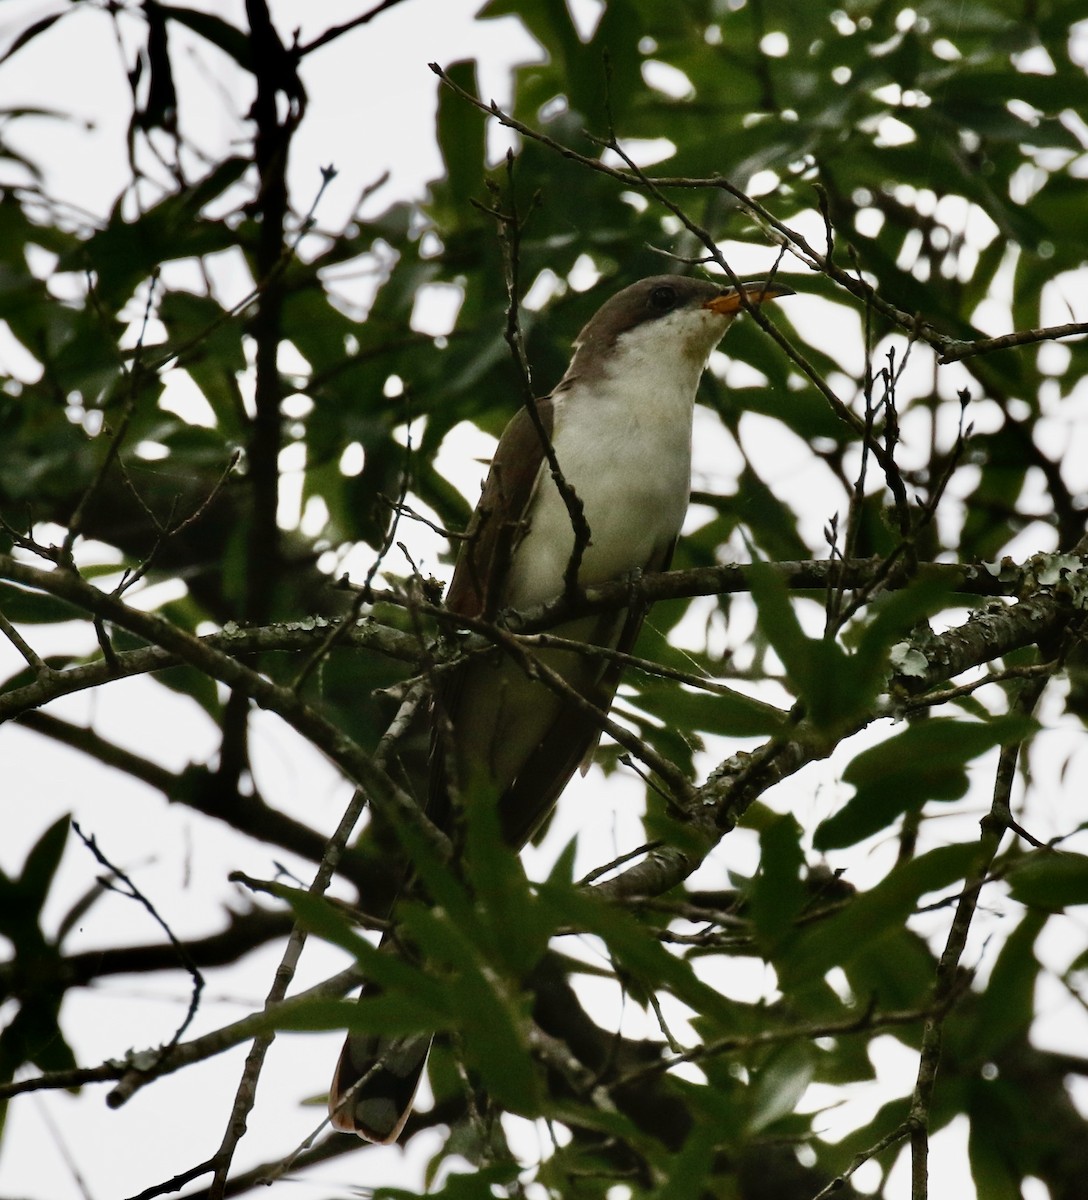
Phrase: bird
[618,426]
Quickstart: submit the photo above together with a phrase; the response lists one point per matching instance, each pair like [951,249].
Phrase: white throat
[622,437]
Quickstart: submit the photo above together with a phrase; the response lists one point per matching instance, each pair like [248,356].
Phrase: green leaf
[1005,1009]
[897,972]
[894,614]
[1050,879]
[41,866]
[726,712]
[484,1183]
[891,1115]
[394,1014]
[382,965]
[1003,1139]
[780,625]
[126,252]
[461,132]
[836,687]
[210,341]
[927,761]
[779,1084]
[515,926]
[873,915]
[772,523]
[778,891]
[989,1169]
[687,1171]
[34,608]
[637,951]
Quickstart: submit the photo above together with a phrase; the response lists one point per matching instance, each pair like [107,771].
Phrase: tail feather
[375,1084]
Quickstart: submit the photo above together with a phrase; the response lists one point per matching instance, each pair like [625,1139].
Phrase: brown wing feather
[498,522]
[573,738]
[479,577]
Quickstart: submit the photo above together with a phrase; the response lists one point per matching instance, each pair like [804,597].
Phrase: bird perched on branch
[593,479]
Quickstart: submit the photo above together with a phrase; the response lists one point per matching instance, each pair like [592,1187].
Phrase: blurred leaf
[517,926]
[41,865]
[397,976]
[1000,1140]
[778,892]
[688,1170]
[126,252]
[927,761]
[30,32]
[836,687]
[1050,879]
[484,1183]
[460,132]
[159,109]
[892,1114]
[212,354]
[24,895]
[895,972]
[636,950]
[873,915]
[1006,1008]
[779,1085]
[772,524]
[32,1033]
[34,608]
[728,713]
[231,40]
[397,1014]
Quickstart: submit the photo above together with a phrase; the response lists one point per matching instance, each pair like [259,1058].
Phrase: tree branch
[347,754]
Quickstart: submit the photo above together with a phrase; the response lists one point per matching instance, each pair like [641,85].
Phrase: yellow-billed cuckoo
[620,423]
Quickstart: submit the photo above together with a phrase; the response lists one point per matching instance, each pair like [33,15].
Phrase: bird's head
[665,318]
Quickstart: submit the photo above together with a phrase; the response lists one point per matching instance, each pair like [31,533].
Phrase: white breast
[623,442]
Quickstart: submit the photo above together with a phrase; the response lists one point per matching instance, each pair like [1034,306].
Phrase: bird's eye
[663,298]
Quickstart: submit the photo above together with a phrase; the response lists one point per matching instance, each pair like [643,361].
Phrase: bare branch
[957,351]
[993,825]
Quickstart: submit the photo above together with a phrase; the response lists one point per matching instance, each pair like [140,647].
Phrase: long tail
[375,1083]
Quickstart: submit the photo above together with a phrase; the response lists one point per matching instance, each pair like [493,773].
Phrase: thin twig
[862,1023]
[510,227]
[323,733]
[115,437]
[337,31]
[947,980]
[897,1135]
[170,529]
[33,660]
[957,351]
[966,579]
[365,593]
[134,893]
[949,349]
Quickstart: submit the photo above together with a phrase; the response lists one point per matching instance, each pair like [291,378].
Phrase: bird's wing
[498,523]
[571,740]
[476,590]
